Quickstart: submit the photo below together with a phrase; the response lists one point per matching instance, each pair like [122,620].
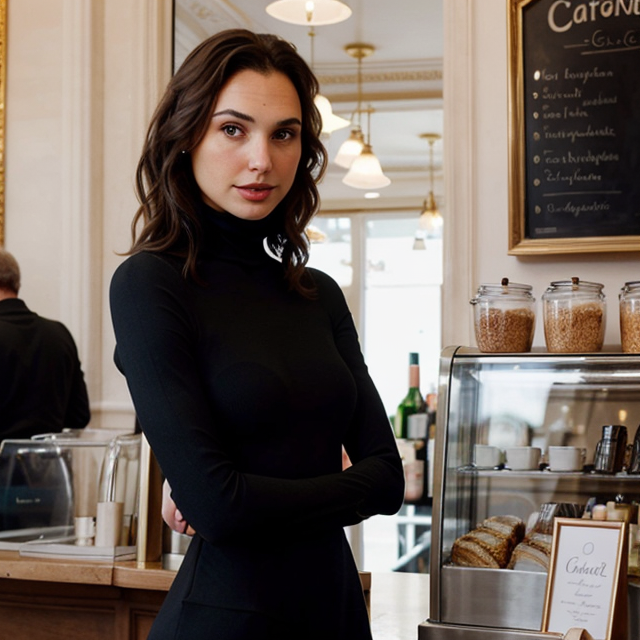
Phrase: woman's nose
[260,155]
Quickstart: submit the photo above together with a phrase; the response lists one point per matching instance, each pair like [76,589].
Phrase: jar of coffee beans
[574,313]
[504,317]
[630,317]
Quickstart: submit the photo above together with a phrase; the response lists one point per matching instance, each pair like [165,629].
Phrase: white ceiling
[402,82]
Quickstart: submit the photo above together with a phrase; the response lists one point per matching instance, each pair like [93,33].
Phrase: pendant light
[351,148]
[309,12]
[330,121]
[418,242]
[431,219]
[365,171]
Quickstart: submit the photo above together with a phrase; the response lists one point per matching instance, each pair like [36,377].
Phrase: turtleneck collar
[229,237]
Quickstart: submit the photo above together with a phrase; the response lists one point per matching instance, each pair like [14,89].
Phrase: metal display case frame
[600,388]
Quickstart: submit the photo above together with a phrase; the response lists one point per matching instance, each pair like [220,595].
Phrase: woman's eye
[284,134]
[231,129]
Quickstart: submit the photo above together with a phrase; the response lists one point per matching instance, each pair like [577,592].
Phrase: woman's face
[247,160]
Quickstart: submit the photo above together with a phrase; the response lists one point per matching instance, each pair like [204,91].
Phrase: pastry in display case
[522,439]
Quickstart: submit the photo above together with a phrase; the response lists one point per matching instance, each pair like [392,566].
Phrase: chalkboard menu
[575,136]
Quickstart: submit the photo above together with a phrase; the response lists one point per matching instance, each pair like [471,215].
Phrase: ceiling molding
[417,75]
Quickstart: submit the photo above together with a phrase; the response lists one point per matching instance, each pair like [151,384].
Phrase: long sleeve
[369,442]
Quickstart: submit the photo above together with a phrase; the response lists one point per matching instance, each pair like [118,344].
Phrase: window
[394,293]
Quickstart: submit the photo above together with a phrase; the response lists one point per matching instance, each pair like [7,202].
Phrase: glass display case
[500,416]
[53,484]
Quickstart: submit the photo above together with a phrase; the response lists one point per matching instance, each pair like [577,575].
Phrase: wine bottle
[413,402]
[432,403]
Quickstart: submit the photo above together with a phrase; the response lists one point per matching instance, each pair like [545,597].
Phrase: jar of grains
[504,317]
[574,315]
[630,317]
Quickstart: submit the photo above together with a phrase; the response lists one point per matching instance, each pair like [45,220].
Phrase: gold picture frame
[580,230]
[587,580]
[3,78]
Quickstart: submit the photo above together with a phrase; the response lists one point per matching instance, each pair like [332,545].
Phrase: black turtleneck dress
[246,392]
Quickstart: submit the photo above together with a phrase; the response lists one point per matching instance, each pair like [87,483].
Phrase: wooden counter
[50,599]
[54,599]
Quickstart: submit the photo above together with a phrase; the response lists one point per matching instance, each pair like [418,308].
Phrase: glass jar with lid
[504,317]
[574,313]
[630,316]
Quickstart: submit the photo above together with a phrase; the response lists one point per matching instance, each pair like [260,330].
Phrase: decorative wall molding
[138,34]
[459,175]
[79,208]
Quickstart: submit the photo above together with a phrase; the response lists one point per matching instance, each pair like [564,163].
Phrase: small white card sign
[587,581]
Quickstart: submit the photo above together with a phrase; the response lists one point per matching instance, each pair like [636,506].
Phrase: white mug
[523,458]
[486,455]
[566,458]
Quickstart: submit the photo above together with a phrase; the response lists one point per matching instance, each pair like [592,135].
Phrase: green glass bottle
[413,401]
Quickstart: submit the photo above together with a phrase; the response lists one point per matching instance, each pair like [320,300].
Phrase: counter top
[399,601]
[13,566]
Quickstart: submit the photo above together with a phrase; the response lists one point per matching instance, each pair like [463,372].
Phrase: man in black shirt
[42,387]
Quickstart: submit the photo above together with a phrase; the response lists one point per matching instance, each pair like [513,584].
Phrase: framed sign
[3,82]
[587,581]
[574,126]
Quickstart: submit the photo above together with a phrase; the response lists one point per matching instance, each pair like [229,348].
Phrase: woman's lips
[255,192]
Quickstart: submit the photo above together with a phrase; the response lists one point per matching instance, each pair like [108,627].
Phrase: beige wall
[82,79]
[476,150]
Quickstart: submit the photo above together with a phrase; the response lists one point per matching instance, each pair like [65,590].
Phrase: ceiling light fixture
[419,243]
[330,121]
[430,218]
[309,12]
[365,171]
[351,148]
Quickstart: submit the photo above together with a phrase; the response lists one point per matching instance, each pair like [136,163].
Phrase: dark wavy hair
[167,219]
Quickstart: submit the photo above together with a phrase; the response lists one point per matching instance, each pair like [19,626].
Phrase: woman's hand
[171,514]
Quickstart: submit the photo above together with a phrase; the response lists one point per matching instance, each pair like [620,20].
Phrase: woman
[244,364]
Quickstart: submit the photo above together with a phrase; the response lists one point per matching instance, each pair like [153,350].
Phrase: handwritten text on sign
[585,571]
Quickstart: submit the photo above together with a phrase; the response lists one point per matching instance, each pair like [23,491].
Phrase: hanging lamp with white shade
[430,218]
[330,121]
[309,12]
[353,145]
[365,171]
[351,148]
[419,243]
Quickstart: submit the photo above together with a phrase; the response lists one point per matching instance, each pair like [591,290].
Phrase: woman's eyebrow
[235,114]
[248,118]
[289,121]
